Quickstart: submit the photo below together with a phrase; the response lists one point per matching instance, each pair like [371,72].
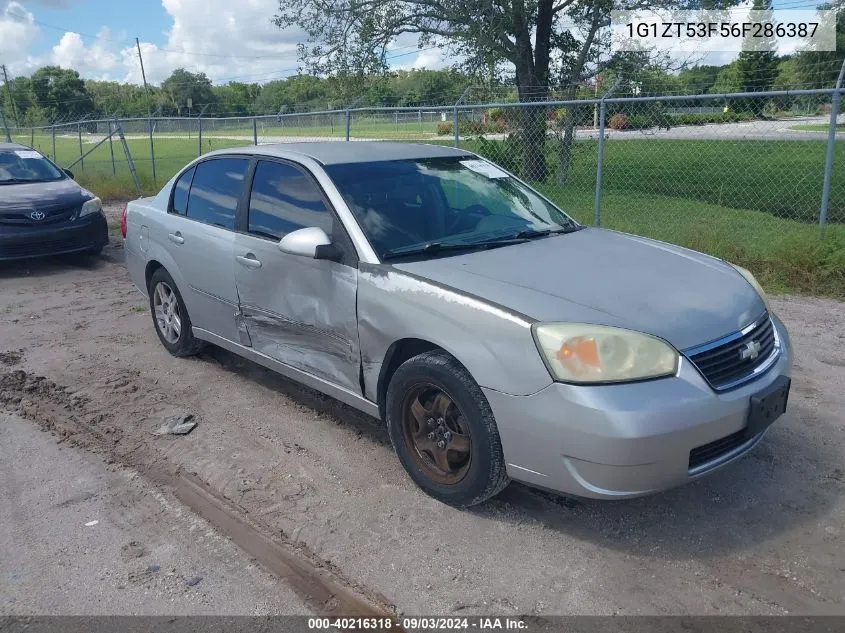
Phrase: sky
[229,40]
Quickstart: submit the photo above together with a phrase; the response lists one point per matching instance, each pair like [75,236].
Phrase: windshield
[26,165]
[411,206]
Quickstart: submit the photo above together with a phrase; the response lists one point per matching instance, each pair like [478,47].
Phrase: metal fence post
[456,126]
[5,126]
[32,137]
[79,135]
[55,158]
[111,150]
[152,149]
[828,159]
[254,130]
[600,157]
[199,136]
[348,122]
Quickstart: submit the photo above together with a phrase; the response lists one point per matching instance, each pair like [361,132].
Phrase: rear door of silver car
[199,236]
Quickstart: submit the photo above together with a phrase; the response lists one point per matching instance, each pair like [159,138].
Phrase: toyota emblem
[37,215]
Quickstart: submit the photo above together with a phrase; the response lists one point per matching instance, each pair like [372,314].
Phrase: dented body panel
[300,311]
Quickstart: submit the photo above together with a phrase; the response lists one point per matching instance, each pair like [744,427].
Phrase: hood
[44,195]
[607,278]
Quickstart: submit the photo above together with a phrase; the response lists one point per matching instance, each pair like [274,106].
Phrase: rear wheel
[172,323]
[443,430]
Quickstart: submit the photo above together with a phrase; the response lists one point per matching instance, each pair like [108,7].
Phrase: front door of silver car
[298,310]
[199,236]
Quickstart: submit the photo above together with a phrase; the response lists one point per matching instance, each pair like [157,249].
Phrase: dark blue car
[43,211]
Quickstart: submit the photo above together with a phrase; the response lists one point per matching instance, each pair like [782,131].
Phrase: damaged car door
[297,310]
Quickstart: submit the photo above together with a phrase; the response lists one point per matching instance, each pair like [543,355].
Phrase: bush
[619,121]
[444,128]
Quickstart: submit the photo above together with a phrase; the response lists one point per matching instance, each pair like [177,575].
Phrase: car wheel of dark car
[172,323]
[443,430]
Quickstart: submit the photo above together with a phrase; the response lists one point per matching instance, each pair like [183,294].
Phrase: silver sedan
[496,337]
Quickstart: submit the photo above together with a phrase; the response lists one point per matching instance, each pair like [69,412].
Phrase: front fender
[492,342]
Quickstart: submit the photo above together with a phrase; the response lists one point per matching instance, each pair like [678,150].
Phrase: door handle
[248,260]
[176,238]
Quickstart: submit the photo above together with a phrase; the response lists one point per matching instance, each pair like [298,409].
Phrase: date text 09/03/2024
[418,623]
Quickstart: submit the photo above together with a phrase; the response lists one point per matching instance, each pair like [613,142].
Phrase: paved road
[145,555]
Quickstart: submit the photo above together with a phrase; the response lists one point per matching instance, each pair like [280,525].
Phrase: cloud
[225,40]
[228,41]
[96,61]
[18,32]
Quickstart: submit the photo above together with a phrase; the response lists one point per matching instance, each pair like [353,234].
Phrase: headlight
[583,353]
[91,206]
[754,284]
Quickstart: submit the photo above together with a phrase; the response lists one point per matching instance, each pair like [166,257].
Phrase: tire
[94,252]
[179,341]
[437,388]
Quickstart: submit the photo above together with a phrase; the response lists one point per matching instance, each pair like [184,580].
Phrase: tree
[352,36]
[757,69]
[544,42]
[61,93]
[820,69]
[235,98]
[183,85]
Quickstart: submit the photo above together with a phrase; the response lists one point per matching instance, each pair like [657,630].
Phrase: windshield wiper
[437,247]
[527,234]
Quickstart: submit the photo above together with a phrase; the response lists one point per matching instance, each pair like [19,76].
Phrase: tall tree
[61,93]
[545,42]
[757,68]
[183,85]
[820,69]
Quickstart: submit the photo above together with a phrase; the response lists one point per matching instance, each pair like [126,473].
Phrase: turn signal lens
[584,353]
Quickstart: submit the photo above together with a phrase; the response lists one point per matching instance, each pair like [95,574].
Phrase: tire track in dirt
[74,419]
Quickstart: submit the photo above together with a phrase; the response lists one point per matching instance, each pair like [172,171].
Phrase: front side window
[284,199]
[405,205]
[26,165]
[216,188]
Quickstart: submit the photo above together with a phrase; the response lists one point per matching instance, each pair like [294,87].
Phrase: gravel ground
[762,536]
[78,537]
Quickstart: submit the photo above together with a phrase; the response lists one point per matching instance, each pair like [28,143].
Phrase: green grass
[754,203]
[817,127]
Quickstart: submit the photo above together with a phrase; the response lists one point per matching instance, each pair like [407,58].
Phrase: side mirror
[69,173]
[310,242]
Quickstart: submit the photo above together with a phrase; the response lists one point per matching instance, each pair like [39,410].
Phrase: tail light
[123,221]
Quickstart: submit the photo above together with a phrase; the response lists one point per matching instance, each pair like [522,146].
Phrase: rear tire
[170,316]
[444,432]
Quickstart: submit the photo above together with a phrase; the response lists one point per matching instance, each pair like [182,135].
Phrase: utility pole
[11,98]
[144,77]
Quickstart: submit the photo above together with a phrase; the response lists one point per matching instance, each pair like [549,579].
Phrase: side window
[215,191]
[284,199]
[180,192]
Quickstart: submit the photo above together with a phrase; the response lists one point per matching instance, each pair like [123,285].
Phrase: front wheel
[172,323]
[444,432]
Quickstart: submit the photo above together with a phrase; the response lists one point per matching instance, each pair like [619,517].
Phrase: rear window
[180,192]
[215,190]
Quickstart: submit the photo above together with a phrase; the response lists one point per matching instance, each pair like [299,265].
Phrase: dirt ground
[762,536]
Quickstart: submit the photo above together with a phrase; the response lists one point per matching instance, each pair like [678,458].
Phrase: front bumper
[83,234]
[618,441]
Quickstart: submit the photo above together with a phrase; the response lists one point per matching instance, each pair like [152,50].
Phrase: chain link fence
[689,170]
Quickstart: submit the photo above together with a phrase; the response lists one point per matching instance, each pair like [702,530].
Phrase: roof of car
[12,146]
[344,152]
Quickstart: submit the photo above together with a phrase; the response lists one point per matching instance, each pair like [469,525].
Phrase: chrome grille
[52,216]
[730,361]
